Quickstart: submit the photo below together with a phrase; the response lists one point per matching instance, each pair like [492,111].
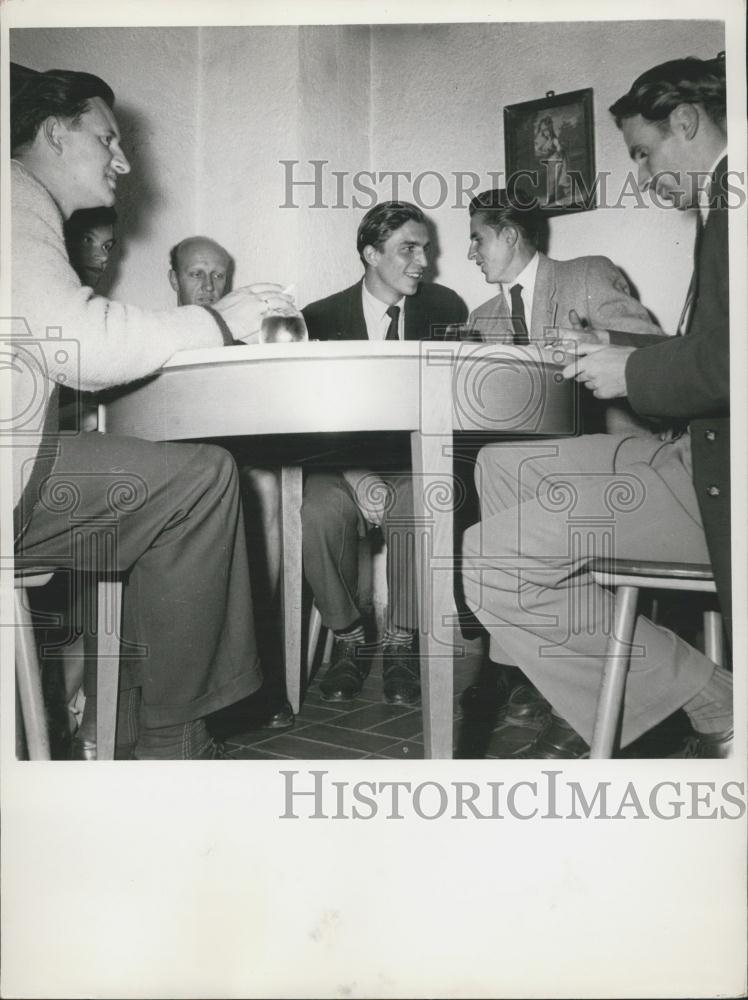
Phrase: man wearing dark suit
[389,303]
[522,578]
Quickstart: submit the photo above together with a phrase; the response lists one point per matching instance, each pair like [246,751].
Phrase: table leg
[291,491]
[432,477]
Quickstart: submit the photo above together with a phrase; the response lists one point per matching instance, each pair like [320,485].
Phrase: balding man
[200,271]
[200,274]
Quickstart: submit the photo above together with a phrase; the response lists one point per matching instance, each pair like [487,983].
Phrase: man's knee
[217,465]
[264,484]
[327,500]
[471,542]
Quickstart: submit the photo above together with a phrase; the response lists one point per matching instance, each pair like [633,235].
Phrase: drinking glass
[283,327]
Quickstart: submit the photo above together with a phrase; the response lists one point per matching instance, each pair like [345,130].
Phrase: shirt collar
[374,305]
[526,278]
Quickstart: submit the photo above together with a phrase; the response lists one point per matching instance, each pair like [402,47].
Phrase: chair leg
[713,641]
[315,627]
[29,681]
[617,655]
[327,652]
[291,492]
[108,622]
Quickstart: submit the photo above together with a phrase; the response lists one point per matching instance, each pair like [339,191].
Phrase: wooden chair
[628,578]
[28,673]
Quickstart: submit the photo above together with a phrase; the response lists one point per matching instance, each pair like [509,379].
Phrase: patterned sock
[710,711]
[398,636]
[354,632]
[184,741]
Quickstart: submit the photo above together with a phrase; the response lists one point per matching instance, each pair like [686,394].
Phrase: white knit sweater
[62,332]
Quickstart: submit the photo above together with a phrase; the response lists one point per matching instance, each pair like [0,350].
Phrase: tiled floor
[368,728]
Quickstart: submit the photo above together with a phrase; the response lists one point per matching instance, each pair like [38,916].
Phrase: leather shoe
[713,745]
[526,705]
[400,674]
[347,672]
[282,718]
[82,749]
[491,691]
[556,741]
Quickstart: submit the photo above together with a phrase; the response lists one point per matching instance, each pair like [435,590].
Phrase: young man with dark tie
[522,579]
[390,302]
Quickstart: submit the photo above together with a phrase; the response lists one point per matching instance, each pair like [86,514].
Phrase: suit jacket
[591,285]
[689,378]
[341,316]
[600,294]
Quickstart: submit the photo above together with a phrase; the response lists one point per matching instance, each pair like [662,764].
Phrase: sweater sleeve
[113,343]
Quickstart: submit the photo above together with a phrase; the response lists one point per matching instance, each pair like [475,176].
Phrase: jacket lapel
[544,300]
[416,318]
[354,324]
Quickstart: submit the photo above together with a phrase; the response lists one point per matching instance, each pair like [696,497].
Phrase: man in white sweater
[172,509]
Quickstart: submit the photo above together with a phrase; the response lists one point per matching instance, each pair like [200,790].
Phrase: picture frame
[550,151]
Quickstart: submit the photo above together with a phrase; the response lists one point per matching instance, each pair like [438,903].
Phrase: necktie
[518,315]
[693,287]
[394,313]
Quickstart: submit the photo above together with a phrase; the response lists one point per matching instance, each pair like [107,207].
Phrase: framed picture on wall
[550,151]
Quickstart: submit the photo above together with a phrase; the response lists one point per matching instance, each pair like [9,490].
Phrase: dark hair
[85,219]
[382,221]
[500,210]
[656,93]
[57,93]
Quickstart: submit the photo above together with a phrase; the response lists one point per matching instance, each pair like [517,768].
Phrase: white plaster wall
[273,94]
[153,73]
[437,104]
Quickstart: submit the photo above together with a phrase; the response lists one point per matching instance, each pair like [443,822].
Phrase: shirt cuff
[228,337]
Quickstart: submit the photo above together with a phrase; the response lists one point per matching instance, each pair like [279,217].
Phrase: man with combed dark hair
[179,536]
[670,493]
[536,294]
[391,302]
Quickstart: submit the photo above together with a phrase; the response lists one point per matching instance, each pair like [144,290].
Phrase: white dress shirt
[526,278]
[375,315]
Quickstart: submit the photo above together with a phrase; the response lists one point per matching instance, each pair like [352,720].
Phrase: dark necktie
[394,313]
[518,315]
[693,288]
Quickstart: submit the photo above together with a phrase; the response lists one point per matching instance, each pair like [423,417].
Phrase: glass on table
[283,327]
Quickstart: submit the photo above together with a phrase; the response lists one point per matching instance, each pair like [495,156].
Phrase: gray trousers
[169,517]
[546,508]
[332,525]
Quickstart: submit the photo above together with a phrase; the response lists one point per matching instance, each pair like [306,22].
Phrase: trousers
[332,524]
[547,508]
[169,517]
